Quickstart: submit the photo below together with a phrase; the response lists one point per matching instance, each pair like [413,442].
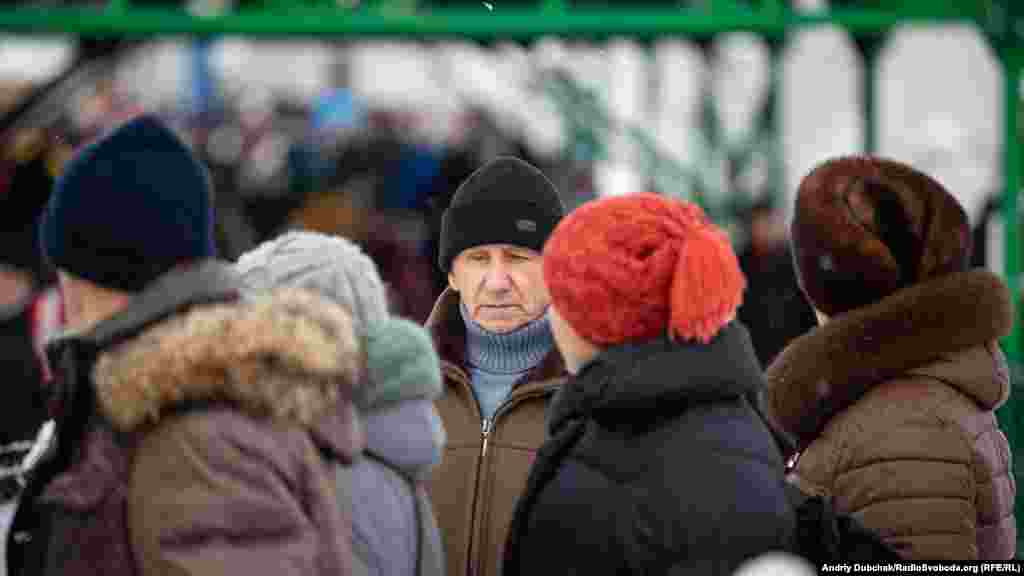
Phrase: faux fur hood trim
[288,354]
[833,366]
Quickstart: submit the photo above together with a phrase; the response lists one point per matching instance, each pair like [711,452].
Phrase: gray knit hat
[331,265]
[400,357]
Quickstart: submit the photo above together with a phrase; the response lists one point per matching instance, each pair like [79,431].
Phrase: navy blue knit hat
[129,208]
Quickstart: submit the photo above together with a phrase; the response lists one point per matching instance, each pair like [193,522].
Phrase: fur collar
[286,355]
[448,330]
[833,366]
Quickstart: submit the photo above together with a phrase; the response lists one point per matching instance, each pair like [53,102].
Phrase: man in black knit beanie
[500,365]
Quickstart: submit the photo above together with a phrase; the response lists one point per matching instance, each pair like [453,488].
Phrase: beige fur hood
[288,354]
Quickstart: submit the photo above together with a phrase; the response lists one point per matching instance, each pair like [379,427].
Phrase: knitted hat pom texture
[635,267]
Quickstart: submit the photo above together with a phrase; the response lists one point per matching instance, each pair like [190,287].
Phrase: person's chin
[502,325]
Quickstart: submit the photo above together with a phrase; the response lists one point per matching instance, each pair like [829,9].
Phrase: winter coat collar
[448,331]
[73,354]
[189,340]
[644,382]
[205,282]
[921,329]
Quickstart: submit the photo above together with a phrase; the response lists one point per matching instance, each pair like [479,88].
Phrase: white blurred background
[938,88]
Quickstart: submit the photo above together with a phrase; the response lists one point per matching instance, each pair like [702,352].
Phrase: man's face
[502,286]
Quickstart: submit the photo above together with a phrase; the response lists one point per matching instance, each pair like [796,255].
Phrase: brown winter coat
[242,488]
[893,406]
[482,474]
[193,436]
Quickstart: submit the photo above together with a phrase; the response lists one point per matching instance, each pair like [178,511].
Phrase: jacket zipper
[486,431]
[486,427]
[488,424]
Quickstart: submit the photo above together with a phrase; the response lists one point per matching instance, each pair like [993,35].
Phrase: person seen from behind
[394,532]
[891,400]
[192,423]
[657,461]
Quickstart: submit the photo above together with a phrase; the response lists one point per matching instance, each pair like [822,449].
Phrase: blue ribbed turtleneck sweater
[497,361]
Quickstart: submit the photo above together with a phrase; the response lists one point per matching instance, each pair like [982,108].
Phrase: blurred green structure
[512,20]
[867,21]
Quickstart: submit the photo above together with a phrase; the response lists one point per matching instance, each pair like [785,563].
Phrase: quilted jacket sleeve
[215,495]
[911,481]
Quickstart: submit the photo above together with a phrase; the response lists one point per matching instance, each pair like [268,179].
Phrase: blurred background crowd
[370,139]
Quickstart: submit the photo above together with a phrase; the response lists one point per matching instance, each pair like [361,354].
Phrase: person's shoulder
[727,421]
[224,436]
[579,489]
[920,418]
[279,362]
[716,438]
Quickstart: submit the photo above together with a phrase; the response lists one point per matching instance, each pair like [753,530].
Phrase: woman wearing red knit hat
[656,461]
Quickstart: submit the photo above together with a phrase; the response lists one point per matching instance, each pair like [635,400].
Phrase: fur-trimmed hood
[287,355]
[944,327]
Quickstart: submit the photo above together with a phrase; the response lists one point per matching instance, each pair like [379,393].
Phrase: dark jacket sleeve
[215,494]
[574,526]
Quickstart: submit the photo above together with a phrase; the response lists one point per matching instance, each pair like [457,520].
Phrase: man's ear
[451,282]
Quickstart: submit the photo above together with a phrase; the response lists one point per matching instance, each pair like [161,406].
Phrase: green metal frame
[1008,41]
[397,18]
[868,21]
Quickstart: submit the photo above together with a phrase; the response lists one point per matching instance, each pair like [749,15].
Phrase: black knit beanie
[507,201]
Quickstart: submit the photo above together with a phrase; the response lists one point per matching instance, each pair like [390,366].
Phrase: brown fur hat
[865,227]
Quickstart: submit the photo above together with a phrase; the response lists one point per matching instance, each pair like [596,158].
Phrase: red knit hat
[640,266]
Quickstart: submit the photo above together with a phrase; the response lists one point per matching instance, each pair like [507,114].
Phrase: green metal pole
[1013,66]
[870,45]
[869,87]
[776,158]
[1012,56]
